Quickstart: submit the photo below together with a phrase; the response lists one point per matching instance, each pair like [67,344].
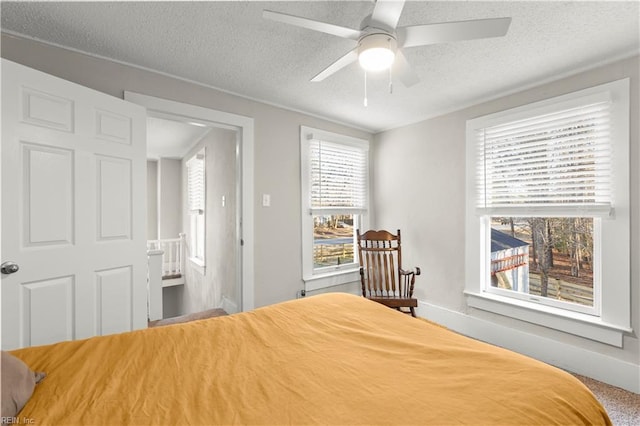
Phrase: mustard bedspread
[328,359]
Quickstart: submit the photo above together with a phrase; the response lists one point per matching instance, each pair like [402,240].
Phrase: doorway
[217,125]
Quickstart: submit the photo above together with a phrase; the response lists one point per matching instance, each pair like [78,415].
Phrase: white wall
[277,237]
[152,200]
[219,281]
[169,198]
[164,216]
[427,201]
[172,301]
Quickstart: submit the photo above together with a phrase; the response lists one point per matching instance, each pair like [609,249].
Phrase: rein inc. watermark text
[17,421]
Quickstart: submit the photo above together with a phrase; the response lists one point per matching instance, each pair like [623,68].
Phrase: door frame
[245,145]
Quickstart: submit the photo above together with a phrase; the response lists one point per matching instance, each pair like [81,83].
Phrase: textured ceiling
[171,139]
[228,45]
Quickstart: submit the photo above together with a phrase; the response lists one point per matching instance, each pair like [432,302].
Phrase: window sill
[330,279]
[197,265]
[582,325]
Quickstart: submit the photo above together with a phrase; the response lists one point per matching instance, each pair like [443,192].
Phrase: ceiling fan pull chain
[390,82]
[365,89]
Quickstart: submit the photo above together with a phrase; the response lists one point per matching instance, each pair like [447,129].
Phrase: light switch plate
[266,200]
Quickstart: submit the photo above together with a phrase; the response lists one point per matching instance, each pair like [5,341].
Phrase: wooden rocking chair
[381,274]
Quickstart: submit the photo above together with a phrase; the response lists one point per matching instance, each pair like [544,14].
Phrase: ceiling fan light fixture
[376,52]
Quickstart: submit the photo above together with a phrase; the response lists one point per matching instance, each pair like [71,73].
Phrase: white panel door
[73,211]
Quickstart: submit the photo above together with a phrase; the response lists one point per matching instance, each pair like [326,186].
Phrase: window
[335,193]
[549,260]
[196,207]
[548,212]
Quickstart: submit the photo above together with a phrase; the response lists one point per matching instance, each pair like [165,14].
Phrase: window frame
[197,219]
[595,310]
[332,275]
[613,318]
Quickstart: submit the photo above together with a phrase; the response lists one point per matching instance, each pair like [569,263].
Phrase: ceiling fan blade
[403,71]
[345,60]
[387,12]
[420,35]
[310,24]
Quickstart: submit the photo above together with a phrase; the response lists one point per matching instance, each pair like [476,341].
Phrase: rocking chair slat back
[381,273]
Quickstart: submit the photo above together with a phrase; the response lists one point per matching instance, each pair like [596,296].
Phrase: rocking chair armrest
[411,272]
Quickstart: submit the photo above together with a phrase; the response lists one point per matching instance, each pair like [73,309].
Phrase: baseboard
[600,367]
[229,306]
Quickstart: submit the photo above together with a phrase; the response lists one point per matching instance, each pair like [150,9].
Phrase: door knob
[9,268]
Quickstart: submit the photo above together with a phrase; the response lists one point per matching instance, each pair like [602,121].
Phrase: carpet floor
[209,313]
[622,406]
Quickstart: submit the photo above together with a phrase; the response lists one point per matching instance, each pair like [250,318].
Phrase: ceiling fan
[380,43]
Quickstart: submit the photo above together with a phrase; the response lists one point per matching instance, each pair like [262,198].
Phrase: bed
[328,359]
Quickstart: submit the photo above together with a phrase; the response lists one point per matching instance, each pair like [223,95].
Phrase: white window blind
[557,163]
[195,184]
[338,176]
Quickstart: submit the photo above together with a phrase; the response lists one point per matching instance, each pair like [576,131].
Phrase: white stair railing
[165,269]
[173,256]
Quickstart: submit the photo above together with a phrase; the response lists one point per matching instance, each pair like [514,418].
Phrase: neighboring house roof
[501,241]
